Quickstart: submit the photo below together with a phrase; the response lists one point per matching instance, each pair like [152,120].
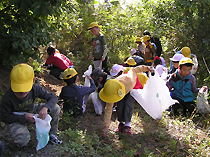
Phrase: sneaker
[127,130]
[54,139]
[120,128]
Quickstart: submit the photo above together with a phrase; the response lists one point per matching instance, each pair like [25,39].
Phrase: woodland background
[27,27]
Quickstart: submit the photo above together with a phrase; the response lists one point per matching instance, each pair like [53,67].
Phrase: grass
[171,136]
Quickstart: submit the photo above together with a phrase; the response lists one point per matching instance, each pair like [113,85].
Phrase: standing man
[99,48]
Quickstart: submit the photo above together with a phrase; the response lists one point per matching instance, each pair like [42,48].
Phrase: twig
[205,64]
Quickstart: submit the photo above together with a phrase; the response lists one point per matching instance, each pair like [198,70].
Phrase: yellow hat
[131,61]
[93,24]
[113,91]
[126,69]
[185,60]
[145,38]
[69,73]
[186,52]
[138,40]
[142,78]
[22,78]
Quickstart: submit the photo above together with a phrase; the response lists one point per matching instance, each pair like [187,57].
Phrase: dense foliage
[24,26]
[27,24]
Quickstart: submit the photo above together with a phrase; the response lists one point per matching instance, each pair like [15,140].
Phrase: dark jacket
[10,104]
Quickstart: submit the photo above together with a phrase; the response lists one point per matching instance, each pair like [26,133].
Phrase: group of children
[18,103]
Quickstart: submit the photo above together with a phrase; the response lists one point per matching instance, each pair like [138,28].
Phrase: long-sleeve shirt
[182,87]
[99,47]
[77,92]
[10,104]
[129,81]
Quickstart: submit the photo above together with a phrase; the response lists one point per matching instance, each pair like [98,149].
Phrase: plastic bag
[195,66]
[154,97]
[97,103]
[202,102]
[87,73]
[42,131]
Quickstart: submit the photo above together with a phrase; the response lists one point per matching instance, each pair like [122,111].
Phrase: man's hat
[113,91]
[22,78]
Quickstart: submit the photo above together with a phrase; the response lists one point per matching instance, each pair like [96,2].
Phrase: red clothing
[138,84]
[59,60]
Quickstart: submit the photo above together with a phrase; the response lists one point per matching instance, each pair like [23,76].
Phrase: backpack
[156,41]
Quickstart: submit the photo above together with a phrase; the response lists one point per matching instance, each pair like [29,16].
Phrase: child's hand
[88,77]
[29,117]
[105,131]
[102,59]
[43,113]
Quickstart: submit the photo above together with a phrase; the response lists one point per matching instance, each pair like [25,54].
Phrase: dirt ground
[142,130]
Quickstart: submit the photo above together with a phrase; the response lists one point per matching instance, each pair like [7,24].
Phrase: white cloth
[154,97]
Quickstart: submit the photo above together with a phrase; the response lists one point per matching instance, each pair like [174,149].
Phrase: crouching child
[18,106]
[73,94]
[183,86]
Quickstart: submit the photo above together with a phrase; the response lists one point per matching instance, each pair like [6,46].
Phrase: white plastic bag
[97,103]
[195,66]
[42,131]
[87,73]
[202,102]
[154,97]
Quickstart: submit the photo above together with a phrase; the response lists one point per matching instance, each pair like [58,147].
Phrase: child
[58,61]
[113,91]
[99,48]
[175,62]
[139,60]
[149,50]
[18,105]
[182,84]
[116,70]
[140,47]
[73,94]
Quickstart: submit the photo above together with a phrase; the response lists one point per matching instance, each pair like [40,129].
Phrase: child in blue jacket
[73,94]
[182,85]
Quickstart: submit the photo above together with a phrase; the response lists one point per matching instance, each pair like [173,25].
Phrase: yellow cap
[186,52]
[69,73]
[113,91]
[126,69]
[131,61]
[142,78]
[93,24]
[138,40]
[22,78]
[185,60]
[145,38]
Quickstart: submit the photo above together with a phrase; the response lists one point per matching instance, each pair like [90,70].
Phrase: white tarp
[154,97]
